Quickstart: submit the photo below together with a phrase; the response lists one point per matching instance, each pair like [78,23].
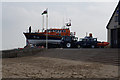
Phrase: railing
[33,31]
[72,33]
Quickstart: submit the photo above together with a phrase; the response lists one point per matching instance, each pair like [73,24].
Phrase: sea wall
[20,52]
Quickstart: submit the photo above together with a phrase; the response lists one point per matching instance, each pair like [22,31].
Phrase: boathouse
[113,28]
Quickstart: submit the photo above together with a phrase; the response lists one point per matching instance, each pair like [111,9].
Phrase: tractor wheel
[68,45]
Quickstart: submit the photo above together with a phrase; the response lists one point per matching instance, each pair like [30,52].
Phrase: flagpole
[47,31]
[43,24]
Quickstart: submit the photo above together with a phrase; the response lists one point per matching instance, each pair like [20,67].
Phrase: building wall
[114,29]
[109,37]
[114,21]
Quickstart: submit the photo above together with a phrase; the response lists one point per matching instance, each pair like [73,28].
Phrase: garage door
[114,38]
[118,37]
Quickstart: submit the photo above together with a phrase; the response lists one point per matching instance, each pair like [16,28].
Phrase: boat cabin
[60,32]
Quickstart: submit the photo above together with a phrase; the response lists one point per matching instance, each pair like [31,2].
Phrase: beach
[64,63]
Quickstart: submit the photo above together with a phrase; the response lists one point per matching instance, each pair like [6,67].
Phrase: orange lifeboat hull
[103,44]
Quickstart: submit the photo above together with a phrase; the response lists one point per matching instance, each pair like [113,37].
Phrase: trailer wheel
[102,46]
[68,45]
[92,46]
[78,46]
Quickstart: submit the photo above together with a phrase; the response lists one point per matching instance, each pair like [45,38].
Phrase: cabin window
[60,31]
[51,30]
[95,39]
[47,30]
[80,39]
[84,40]
[64,30]
[92,39]
[87,39]
[57,31]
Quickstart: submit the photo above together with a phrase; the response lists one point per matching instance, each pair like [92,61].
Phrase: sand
[63,64]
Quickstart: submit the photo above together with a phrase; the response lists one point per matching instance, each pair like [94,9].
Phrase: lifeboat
[102,44]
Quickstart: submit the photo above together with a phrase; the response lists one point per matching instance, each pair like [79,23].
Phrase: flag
[44,12]
[69,23]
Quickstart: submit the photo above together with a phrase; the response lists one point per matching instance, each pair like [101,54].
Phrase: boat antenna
[63,23]
[68,24]
[86,33]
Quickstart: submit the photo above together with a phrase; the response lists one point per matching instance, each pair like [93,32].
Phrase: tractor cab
[87,41]
[69,41]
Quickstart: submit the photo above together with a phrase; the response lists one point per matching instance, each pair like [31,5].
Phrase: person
[30,29]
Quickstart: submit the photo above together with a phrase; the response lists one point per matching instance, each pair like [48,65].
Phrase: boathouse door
[118,37]
[114,38]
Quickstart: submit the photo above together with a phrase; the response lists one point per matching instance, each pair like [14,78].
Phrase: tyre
[102,46]
[68,45]
[78,46]
[92,46]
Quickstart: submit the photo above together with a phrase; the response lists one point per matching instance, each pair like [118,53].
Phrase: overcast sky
[85,16]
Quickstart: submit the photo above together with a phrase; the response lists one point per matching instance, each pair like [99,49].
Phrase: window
[84,40]
[115,26]
[48,30]
[57,31]
[117,11]
[90,39]
[80,39]
[51,30]
[116,18]
[95,39]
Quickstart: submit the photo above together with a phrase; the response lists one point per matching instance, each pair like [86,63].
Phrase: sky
[91,17]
